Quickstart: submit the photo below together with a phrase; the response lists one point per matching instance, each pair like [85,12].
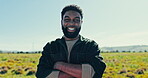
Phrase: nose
[71,23]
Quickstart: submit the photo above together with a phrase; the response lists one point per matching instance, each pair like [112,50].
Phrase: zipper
[66,52]
[73,48]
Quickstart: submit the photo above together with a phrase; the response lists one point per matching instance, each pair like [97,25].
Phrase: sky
[27,25]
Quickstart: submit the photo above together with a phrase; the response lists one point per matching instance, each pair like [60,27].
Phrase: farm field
[126,65]
[119,65]
[18,65]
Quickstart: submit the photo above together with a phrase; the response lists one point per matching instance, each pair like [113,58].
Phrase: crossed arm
[69,70]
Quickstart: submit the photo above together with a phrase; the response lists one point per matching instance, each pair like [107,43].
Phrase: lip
[71,29]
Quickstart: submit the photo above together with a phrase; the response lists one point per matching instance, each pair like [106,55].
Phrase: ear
[61,22]
[81,22]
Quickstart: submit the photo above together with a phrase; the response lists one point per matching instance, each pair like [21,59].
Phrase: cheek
[65,24]
[79,25]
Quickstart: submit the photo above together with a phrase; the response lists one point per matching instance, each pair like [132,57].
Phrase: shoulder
[52,43]
[91,45]
[89,41]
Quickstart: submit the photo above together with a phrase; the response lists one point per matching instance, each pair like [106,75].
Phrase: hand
[64,75]
[74,70]
[59,65]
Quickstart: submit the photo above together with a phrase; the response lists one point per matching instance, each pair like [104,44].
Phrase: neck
[68,39]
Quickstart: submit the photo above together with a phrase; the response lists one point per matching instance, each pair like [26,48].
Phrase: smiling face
[71,24]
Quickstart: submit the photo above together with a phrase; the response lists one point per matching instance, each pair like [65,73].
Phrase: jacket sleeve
[87,71]
[95,60]
[45,66]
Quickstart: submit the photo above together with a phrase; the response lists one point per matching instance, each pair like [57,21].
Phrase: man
[72,56]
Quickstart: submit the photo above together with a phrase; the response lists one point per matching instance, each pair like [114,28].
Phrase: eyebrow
[69,17]
[66,17]
[77,17]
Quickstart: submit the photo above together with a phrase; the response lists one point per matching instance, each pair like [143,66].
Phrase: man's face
[71,24]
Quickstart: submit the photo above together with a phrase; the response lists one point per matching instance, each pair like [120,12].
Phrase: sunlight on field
[126,65]
[18,65]
[119,65]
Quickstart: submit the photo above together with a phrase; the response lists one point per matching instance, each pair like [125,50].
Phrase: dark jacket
[84,51]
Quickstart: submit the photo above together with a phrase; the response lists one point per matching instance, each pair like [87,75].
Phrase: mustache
[71,26]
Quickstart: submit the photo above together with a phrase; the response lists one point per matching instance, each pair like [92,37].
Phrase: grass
[126,65]
[119,65]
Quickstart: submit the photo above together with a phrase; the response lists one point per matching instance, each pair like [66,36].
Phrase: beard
[71,34]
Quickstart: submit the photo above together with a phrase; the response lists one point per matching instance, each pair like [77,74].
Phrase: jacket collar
[81,38]
[62,40]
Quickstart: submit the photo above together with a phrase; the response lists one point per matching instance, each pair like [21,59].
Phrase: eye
[76,20]
[66,20]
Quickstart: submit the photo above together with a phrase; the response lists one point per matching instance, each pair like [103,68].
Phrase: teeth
[71,28]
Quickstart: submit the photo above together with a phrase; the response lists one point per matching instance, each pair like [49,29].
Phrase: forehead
[72,14]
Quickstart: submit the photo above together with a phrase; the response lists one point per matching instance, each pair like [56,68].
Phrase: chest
[78,54]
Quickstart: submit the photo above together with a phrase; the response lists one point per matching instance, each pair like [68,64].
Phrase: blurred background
[27,25]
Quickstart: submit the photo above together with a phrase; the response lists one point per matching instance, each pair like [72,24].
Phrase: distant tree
[1,51]
[39,52]
[107,51]
[140,51]
[113,51]
[101,51]
[123,51]
[145,50]
[117,51]
[21,52]
[129,51]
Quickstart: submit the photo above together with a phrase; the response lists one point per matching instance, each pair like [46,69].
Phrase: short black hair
[73,8]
